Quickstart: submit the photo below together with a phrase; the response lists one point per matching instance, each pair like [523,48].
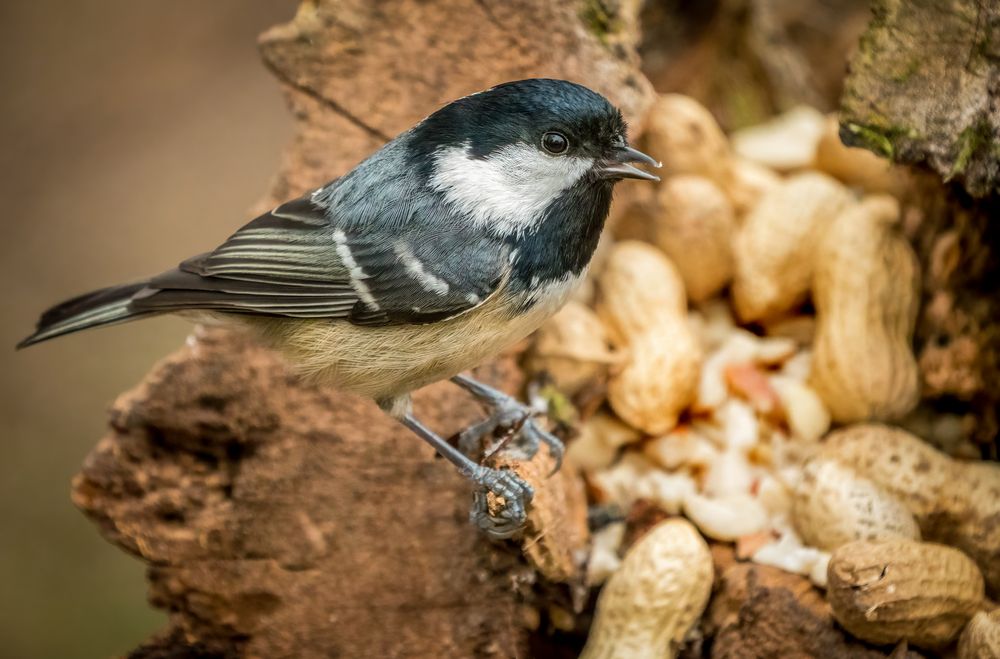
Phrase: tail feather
[102,307]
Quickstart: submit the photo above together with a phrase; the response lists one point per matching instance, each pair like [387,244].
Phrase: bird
[452,242]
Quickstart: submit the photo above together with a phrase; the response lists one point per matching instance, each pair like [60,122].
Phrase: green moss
[599,19]
[972,142]
[560,407]
[871,138]
[880,136]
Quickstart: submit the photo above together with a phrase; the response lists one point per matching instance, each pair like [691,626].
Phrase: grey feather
[399,256]
[107,306]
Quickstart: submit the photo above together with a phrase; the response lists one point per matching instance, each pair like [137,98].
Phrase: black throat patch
[564,240]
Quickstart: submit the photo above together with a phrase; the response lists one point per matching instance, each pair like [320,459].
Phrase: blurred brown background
[133,134]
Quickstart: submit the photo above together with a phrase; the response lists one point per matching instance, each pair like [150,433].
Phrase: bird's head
[505,155]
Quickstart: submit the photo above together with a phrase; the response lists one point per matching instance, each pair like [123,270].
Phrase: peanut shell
[833,506]
[866,292]
[649,605]
[774,249]
[954,501]
[694,225]
[889,591]
[981,637]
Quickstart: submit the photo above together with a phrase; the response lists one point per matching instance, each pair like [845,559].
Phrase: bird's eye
[554,142]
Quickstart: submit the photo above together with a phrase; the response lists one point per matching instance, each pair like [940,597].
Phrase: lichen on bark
[924,88]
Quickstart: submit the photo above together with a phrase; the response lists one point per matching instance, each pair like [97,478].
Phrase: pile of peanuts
[723,384]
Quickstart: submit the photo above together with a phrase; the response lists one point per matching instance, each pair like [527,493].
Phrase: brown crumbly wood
[958,336]
[748,59]
[282,519]
[556,536]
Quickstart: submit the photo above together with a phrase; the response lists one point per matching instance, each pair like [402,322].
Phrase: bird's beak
[618,165]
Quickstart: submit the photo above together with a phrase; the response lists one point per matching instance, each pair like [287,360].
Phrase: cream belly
[388,362]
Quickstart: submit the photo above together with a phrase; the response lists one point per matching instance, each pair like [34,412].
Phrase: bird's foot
[506,513]
[515,493]
[511,415]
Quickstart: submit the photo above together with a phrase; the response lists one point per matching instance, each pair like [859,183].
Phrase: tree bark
[279,518]
[924,87]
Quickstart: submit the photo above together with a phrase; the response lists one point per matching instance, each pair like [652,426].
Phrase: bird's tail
[102,307]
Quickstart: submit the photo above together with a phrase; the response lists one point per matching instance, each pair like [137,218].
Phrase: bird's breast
[386,361]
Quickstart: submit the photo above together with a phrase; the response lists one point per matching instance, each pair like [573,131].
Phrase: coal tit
[453,241]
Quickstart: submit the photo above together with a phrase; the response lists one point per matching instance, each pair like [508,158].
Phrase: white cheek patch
[507,191]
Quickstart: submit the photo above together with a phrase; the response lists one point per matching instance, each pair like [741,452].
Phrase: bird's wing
[296,261]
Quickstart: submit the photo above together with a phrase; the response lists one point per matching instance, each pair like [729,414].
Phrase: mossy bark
[924,88]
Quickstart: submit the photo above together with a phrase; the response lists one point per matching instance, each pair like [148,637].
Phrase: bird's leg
[515,492]
[506,412]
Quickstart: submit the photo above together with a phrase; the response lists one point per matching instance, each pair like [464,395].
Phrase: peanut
[693,223]
[739,346]
[785,143]
[634,477]
[712,322]
[789,554]
[804,412]
[651,603]
[726,518]
[866,291]
[748,183]
[572,347]
[888,591]
[740,425]
[953,501]
[641,300]
[601,436]
[682,447]
[834,506]
[603,560]
[774,248]
[686,137]
[981,638]
[730,474]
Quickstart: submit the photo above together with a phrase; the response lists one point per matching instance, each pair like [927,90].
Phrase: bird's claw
[516,495]
[520,419]
[534,434]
